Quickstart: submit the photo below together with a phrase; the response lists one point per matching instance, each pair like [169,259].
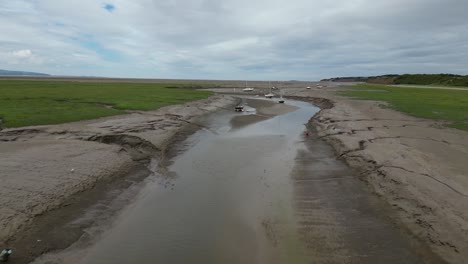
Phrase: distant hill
[417,79]
[21,73]
[346,79]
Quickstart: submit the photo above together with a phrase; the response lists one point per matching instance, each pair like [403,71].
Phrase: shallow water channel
[262,193]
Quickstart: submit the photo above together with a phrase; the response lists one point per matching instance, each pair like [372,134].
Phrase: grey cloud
[239,39]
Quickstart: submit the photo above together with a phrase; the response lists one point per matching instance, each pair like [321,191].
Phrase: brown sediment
[70,166]
[57,229]
[245,120]
[54,174]
[339,220]
[265,109]
[416,165]
[323,103]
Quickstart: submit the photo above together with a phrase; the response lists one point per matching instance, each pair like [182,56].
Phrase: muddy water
[261,193]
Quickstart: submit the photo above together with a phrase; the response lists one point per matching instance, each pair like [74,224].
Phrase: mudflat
[262,193]
[45,168]
[417,165]
[42,166]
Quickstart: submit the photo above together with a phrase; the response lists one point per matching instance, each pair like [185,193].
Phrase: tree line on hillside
[417,79]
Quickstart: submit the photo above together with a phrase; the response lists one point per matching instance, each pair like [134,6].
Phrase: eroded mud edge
[56,228]
[413,214]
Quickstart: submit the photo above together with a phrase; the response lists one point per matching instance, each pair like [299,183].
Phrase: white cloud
[257,39]
[24,57]
[234,44]
[22,54]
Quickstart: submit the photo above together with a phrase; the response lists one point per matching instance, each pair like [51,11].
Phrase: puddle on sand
[235,196]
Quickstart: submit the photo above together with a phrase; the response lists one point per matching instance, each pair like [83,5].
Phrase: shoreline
[51,173]
[402,166]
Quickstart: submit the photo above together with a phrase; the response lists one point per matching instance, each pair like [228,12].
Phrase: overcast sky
[234,39]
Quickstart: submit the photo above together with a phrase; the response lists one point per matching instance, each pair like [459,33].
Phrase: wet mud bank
[87,214]
[71,221]
[54,175]
[322,103]
[340,220]
[401,159]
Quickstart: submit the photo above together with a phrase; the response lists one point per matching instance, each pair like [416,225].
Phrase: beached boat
[270,95]
[281,100]
[239,108]
[247,89]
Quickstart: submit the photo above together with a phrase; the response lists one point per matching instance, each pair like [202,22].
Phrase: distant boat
[247,89]
[270,95]
[239,108]
[272,87]
[281,100]
[308,87]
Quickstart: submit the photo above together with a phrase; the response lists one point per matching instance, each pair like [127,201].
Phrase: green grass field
[24,103]
[450,105]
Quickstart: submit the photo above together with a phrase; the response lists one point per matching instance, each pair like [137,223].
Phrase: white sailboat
[269,95]
[247,89]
